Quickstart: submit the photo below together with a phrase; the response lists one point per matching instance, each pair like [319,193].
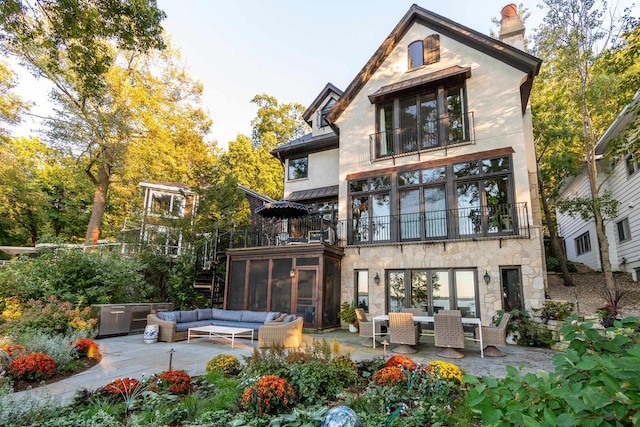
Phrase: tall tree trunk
[99,204]
[603,241]
[551,225]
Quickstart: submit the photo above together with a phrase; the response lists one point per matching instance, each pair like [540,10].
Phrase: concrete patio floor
[129,356]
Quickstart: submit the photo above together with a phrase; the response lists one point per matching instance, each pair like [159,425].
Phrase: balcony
[431,135]
[506,221]
[493,222]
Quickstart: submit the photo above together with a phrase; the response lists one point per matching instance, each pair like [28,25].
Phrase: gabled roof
[167,186]
[329,88]
[485,44]
[255,194]
[627,116]
[305,145]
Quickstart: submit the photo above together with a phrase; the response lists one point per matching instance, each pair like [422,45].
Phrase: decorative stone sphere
[341,416]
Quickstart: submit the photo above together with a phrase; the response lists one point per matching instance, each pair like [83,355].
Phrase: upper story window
[325,111]
[424,52]
[432,118]
[633,164]
[583,243]
[298,168]
[167,204]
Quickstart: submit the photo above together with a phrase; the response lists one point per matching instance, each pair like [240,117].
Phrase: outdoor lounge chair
[285,335]
[449,334]
[495,336]
[403,331]
[366,328]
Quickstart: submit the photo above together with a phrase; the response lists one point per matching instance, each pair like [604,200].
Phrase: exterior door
[306,285]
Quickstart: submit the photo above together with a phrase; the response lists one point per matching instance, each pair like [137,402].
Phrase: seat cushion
[254,316]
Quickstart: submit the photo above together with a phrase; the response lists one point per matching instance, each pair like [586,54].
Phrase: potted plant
[348,315]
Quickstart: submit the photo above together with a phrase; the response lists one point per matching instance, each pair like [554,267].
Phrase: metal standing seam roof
[314,193]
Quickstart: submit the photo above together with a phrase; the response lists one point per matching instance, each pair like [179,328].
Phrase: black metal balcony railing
[492,222]
[495,221]
[430,135]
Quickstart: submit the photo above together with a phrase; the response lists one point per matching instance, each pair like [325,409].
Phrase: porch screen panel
[440,290]
[258,279]
[466,293]
[235,298]
[281,285]
[331,293]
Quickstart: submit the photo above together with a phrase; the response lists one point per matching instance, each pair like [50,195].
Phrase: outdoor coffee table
[225,332]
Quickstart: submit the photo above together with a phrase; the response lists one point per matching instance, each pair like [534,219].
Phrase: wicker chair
[285,335]
[403,331]
[366,328]
[495,336]
[449,333]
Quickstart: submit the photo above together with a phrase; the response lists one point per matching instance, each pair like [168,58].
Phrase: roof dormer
[316,114]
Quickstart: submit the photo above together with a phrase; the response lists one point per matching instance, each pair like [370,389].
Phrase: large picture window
[432,290]
[469,199]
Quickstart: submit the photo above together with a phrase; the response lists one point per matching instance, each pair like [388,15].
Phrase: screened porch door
[306,284]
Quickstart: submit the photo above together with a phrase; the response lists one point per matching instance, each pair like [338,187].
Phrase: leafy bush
[180,282]
[269,395]
[228,364]
[59,347]
[554,265]
[52,316]
[594,383]
[555,310]
[32,367]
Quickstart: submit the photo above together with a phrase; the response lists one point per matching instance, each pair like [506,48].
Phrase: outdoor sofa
[174,325]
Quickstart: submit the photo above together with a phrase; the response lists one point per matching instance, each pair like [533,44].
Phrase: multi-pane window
[462,199]
[424,52]
[433,290]
[370,209]
[298,168]
[429,119]
[512,294]
[167,204]
[624,232]
[583,243]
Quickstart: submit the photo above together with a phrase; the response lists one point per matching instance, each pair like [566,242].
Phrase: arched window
[416,54]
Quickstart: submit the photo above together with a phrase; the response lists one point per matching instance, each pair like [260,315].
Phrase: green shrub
[180,282]
[594,383]
[554,265]
[60,348]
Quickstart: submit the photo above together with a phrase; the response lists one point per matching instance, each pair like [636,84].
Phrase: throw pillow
[280,318]
[289,318]
[273,315]
[167,316]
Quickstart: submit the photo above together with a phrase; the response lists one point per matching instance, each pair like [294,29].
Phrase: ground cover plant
[594,383]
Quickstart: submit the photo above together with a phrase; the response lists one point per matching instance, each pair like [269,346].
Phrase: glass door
[306,283]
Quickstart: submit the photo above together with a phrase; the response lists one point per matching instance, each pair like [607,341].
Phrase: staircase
[210,270]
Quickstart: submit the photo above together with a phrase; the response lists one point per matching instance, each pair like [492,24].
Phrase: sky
[289,49]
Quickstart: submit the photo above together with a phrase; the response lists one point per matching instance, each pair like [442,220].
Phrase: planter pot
[353,328]
[151,334]
[512,338]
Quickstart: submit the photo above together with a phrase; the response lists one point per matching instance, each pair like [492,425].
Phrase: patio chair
[403,331]
[366,328]
[416,312]
[278,334]
[449,334]
[495,336]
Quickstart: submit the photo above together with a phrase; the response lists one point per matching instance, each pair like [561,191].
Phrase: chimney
[512,27]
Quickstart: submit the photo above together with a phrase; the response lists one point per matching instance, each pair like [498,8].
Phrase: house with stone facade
[622,180]
[420,179]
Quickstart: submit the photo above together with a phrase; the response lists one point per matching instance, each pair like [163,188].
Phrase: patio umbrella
[282,209]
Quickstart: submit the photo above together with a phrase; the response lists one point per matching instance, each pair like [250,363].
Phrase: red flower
[34,366]
[403,361]
[122,386]
[390,375]
[269,395]
[178,382]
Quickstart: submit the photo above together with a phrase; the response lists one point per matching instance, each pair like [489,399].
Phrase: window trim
[582,244]
[632,164]
[306,176]
[623,230]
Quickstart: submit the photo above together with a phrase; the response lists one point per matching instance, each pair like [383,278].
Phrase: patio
[129,356]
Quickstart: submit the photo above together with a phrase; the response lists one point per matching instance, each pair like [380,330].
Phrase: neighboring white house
[425,167]
[622,180]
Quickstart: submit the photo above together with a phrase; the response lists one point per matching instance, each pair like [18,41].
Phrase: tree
[10,104]
[577,38]
[74,44]
[283,121]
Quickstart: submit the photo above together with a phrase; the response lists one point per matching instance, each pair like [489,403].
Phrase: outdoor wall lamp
[292,273]
[486,277]
[376,279]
